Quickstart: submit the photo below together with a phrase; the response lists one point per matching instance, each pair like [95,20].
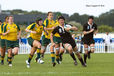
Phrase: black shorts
[71,42]
[88,42]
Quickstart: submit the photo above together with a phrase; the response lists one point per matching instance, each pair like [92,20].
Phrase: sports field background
[98,65]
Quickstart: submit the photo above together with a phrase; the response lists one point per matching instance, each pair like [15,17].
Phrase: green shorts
[12,44]
[30,41]
[3,43]
[57,40]
[45,41]
[0,42]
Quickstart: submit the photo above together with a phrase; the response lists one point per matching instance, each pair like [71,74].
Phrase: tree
[78,25]
[105,28]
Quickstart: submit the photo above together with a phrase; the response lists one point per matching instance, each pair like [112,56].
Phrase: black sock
[30,58]
[13,54]
[73,56]
[85,57]
[9,60]
[60,55]
[89,52]
[81,60]
[2,59]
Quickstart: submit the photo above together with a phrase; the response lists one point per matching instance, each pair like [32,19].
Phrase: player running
[67,40]
[58,42]
[89,29]
[0,36]
[35,30]
[48,27]
[3,41]
[13,34]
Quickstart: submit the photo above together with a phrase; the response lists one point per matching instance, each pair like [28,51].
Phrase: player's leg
[86,52]
[37,44]
[16,48]
[3,49]
[10,56]
[92,45]
[57,53]
[33,50]
[61,52]
[2,55]
[92,49]
[69,48]
[75,49]
[52,54]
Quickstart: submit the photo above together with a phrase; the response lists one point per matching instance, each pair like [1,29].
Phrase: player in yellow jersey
[49,26]
[35,30]
[13,33]
[0,36]
[58,43]
[3,41]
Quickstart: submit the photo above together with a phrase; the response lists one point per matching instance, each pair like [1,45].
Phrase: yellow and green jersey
[13,31]
[48,24]
[38,29]
[2,30]
[56,24]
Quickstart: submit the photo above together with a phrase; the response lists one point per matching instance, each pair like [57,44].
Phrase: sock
[60,55]
[53,57]
[73,56]
[89,52]
[13,54]
[2,59]
[38,53]
[85,57]
[9,60]
[57,58]
[30,58]
[81,60]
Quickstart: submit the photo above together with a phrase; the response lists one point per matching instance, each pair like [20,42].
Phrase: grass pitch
[98,65]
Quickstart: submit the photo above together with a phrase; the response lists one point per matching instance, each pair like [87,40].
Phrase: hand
[3,34]
[91,30]
[18,37]
[53,28]
[34,32]
[95,33]
[53,44]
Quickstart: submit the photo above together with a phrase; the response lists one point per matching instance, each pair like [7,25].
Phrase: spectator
[107,40]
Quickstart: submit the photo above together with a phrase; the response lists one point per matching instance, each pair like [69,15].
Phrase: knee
[92,49]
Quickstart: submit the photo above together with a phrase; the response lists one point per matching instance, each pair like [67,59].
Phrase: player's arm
[86,32]
[29,28]
[69,27]
[72,28]
[96,30]
[52,34]
[45,29]
[19,33]
[5,32]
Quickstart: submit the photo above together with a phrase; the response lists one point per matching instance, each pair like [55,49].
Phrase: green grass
[98,65]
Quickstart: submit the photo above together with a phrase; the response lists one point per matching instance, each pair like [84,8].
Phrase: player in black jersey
[89,29]
[67,40]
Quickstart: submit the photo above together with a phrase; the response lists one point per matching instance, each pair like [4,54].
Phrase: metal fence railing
[99,48]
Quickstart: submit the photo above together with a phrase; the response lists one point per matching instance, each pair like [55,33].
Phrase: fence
[99,48]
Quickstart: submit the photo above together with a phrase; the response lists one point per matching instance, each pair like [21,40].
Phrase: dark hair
[49,13]
[0,21]
[38,19]
[6,17]
[90,17]
[61,17]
